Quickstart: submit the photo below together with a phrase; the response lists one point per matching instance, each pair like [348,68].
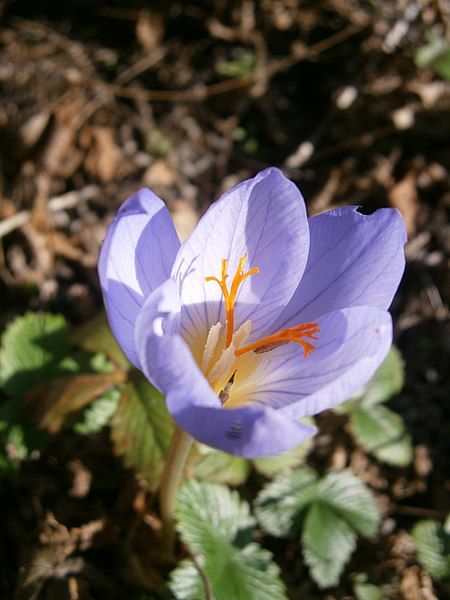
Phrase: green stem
[170,483]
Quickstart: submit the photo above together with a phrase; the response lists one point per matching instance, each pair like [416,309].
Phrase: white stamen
[223,366]
[210,346]
[242,334]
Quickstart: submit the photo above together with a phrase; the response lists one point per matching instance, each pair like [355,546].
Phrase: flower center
[218,366]
[295,334]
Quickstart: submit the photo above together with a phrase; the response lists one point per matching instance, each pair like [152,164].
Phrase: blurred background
[350,98]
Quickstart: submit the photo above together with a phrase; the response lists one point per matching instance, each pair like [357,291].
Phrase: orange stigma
[291,334]
[231,295]
[300,334]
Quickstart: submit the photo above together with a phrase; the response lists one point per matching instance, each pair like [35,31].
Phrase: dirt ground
[101,98]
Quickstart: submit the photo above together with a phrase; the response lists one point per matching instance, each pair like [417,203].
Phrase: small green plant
[435,55]
[216,525]
[377,428]
[158,144]
[432,541]
[330,512]
[238,67]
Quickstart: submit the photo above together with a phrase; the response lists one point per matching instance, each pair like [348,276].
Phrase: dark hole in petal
[364,210]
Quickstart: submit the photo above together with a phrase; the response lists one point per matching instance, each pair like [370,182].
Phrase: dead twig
[199,93]
[56,204]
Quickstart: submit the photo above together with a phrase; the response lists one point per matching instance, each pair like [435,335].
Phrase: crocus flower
[261,317]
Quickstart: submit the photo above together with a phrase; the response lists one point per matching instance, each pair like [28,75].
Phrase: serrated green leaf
[206,510]
[31,347]
[99,413]
[328,542]
[368,591]
[141,430]
[219,467]
[351,499]
[382,432]
[186,583]
[279,503]
[273,465]
[231,573]
[433,547]
[215,522]
[387,381]
[95,336]
[243,574]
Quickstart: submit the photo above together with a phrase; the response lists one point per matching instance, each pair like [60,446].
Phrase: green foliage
[218,467]
[18,438]
[158,144]
[36,361]
[141,429]
[208,511]
[273,465]
[51,384]
[186,582]
[216,524]
[387,381]
[248,137]
[433,547]
[351,499]
[239,67]
[99,413]
[328,543]
[377,428]
[280,502]
[31,348]
[330,511]
[368,591]
[95,336]
[54,402]
[435,55]
[382,432]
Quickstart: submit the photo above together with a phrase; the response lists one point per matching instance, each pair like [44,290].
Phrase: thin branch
[56,204]
[199,93]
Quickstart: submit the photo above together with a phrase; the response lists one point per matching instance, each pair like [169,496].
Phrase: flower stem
[171,480]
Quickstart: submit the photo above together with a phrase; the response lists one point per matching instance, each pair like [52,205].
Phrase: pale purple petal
[168,362]
[264,216]
[352,344]
[249,431]
[136,257]
[157,327]
[354,260]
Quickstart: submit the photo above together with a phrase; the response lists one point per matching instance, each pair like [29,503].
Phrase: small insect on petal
[225,393]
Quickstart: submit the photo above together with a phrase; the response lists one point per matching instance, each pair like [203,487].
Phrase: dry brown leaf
[31,131]
[104,156]
[52,402]
[404,197]
[82,479]
[185,219]
[149,30]
[159,175]
[416,585]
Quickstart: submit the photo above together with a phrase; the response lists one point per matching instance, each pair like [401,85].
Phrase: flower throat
[300,334]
